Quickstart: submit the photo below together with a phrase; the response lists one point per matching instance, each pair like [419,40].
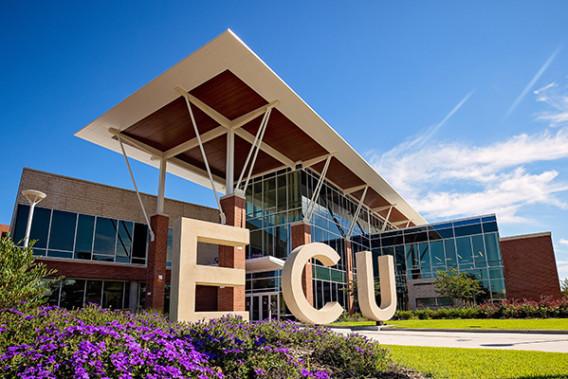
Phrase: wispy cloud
[532,82]
[563,241]
[555,96]
[453,180]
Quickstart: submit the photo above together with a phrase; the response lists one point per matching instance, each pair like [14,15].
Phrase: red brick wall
[232,298]
[530,267]
[156,262]
[301,234]
[93,270]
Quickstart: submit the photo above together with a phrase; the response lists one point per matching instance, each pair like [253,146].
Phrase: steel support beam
[222,120]
[315,196]
[246,118]
[313,161]
[192,143]
[161,185]
[387,218]
[266,148]
[347,191]
[155,153]
[230,166]
[356,215]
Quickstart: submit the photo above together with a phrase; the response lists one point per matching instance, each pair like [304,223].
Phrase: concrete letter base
[292,284]
[186,273]
[366,286]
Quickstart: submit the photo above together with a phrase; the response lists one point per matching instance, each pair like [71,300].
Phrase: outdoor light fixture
[33,197]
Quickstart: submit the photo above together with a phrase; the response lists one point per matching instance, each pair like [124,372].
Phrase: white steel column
[161,185]
[230,175]
[356,215]
[312,204]
[387,219]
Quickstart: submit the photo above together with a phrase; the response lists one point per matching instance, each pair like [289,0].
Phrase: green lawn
[456,363]
[547,323]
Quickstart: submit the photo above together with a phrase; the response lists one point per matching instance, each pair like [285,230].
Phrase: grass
[456,363]
[547,323]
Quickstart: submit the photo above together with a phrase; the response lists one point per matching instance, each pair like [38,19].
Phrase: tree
[564,287]
[458,285]
[21,276]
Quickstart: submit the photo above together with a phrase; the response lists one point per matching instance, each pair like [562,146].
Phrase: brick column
[349,271]
[301,235]
[156,262]
[232,298]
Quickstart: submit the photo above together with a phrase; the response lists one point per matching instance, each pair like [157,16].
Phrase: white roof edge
[228,52]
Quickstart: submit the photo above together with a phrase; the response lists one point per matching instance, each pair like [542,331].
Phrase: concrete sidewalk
[476,339]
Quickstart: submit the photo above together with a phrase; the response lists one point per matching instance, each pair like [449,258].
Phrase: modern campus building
[223,119]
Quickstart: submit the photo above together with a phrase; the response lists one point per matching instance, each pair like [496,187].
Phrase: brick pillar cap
[235,194]
[160,214]
[302,222]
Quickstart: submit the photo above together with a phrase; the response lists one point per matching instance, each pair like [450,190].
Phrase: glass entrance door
[263,306]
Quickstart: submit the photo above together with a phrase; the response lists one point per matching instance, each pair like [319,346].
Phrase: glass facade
[74,293]
[61,234]
[276,200]
[469,245]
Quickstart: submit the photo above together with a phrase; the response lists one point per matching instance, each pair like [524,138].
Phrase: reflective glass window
[492,248]
[105,236]
[124,241]
[489,227]
[326,292]
[94,292]
[424,255]
[437,252]
[337,276]
[399,259]
[112,295]
[139,243]
[464,251]
[479,255]
[59,254]
[84,239]
[322,272]
[72,293]
[450,247]
[496,273]
[169,248]
[62,232]
[467,230]
[412,259]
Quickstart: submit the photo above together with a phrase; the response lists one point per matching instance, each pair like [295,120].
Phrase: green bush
[92,342]
[544,308]
[21,277]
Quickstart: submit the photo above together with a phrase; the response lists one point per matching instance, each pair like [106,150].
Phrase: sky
[461,106]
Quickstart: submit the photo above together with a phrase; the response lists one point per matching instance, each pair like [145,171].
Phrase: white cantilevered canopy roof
[230,90]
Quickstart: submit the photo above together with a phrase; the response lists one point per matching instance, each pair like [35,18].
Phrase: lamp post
[33,197]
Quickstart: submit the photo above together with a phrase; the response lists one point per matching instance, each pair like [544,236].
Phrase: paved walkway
[557,343]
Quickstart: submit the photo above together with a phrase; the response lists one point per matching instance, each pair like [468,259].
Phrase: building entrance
[263,306]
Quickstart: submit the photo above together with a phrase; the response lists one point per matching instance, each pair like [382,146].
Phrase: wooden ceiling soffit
[170,126]
[287,138]
[339,174]
[228,95]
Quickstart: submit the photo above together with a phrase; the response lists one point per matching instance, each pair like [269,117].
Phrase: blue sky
[463,108]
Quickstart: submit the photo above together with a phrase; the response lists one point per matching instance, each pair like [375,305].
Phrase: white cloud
[555,96]
[433,177]
[563,241]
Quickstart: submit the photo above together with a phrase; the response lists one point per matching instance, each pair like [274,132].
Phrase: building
[223,119]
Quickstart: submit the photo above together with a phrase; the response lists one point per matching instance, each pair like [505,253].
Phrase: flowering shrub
[51,342]
[545,308]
